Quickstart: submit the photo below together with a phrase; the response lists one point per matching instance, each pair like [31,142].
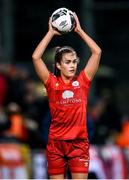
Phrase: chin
[71,75]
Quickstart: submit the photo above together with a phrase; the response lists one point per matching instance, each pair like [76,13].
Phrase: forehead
[69,56]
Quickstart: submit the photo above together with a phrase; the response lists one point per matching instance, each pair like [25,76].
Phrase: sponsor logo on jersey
[67,94]
[68,98]
[75,83]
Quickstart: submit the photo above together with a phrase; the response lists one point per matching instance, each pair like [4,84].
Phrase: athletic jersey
[68,107]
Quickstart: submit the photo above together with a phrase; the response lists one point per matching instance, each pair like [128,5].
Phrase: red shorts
[73,154]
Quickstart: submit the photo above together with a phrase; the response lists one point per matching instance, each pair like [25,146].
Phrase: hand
[77,26]
[53,30]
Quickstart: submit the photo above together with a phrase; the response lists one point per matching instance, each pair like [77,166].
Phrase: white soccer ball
[63,20]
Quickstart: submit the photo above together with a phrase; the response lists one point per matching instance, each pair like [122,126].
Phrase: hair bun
[57,49]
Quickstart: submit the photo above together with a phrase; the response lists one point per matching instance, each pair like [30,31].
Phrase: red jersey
[68,104]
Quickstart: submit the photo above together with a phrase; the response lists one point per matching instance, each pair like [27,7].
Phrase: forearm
[90,42]
[93,62]
[37,54]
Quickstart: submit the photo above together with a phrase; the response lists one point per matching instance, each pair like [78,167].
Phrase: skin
[74,176]
[67,66]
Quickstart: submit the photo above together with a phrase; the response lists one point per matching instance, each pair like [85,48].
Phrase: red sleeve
[84,79]
[50,82]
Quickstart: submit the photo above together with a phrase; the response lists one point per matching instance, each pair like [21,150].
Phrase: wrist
[50,33]
[79,31]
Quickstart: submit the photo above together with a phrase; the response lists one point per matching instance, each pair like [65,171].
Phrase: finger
[75,15]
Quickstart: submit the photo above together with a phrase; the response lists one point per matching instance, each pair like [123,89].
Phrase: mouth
[72,71]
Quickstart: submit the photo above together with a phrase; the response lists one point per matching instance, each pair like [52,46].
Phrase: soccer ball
[63,20]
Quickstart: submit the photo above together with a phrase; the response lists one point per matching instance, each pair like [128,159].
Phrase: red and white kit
[68,138]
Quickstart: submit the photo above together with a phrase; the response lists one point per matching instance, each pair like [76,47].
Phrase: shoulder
[82,75]
[51,79]
[83,79]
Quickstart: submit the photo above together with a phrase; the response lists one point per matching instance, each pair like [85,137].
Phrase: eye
[76,61]
[67,62]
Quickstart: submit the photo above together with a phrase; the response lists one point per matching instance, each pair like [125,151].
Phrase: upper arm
[92,65]
[41,69]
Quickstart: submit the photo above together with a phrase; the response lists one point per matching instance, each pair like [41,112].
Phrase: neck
[66,79]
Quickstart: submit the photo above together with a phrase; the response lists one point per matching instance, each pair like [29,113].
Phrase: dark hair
[60,51]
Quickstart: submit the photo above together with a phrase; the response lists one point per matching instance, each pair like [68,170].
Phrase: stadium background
[22,25]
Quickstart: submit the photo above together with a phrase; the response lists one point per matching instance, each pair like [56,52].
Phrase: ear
[58,65]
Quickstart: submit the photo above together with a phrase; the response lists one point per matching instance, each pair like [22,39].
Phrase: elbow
[34,57]
[99,52]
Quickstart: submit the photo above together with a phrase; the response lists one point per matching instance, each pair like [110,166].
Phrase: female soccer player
[68,145]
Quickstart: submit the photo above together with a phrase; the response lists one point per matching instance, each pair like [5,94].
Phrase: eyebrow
[71,60]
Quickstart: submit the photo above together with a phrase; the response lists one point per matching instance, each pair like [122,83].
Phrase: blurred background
[24,111]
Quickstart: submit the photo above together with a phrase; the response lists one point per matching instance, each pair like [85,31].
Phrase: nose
[73,66]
